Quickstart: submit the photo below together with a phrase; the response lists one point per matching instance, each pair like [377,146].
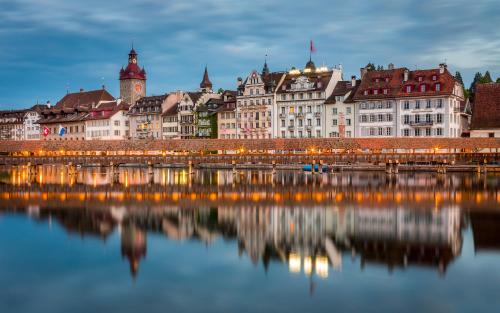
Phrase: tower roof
[206,83]
[132,71]
[310,65]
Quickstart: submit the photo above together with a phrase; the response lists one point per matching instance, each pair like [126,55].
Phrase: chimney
[118,101]
[406,75]
[390,66]
[81,89]
[442,67]
[103,87]
[353,80]
[239,81]
[48,104]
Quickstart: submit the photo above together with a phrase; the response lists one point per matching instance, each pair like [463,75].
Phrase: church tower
[206,84]
[132,80]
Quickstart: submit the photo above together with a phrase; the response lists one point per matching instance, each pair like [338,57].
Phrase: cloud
[176,38]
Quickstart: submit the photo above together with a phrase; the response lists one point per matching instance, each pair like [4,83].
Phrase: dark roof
[195,96]
[106,110]
[84,99]
[38,107]
[392,81]
[341,89]
[205,82]
[320,81]
[486,109]
[172,110]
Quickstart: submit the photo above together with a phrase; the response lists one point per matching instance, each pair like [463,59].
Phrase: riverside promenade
[358,153]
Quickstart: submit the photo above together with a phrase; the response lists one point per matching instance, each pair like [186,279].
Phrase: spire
[206,84]
[265,69]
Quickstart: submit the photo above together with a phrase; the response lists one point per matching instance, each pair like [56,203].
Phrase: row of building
[315,102]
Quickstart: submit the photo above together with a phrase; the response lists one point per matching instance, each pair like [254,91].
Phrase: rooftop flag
[312,48]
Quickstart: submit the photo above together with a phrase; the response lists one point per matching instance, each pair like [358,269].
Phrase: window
[365,92]
[420,78]
[434,77]
[380,131]
[348,134]
[417,104]
[406,105]
[309,122]
[428,132]
[428,118]
[300,123]
[388,131]
[417,118]
[406,132]
[372,131]
[422,88]
[438,87]
[117,123]
[334,111]
[375,91]
[386,91]
[372,118]
[380,118]
[300,134]
[309,109]
[318,133]
[348,122]
[408,89]
[363,118]
[417,132]
[348,110]
[439,118]
[283,134]
[428,104]
[117,132]
[389,117]
[439,103]
[439,131]
[282,123]
[334,122]
[406,119]
[318,122]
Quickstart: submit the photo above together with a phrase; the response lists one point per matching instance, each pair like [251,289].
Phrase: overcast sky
[49,46]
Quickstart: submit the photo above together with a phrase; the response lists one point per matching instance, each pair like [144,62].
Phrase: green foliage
[498,80]
[220,91]
[458,77]
[370,66]
[486,78]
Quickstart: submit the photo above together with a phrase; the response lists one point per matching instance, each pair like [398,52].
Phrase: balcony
[291,127]
[421,123]
[300,115]
[309,127]
[282,115]
[317,114]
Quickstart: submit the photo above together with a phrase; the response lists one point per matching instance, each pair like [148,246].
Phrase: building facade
[339,109]
[108,121]
[145,117]
[300,101]
[398,102]
[226,116]
[12,124]
[255,101]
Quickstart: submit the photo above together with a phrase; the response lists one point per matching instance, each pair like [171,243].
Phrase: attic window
[408,89]
[422,88]
[377,80]
[434,77]
[420,78]
[366,93]
[320,84]
[386,91]
[284,87]
[438,87]
[375,91]
[387,79]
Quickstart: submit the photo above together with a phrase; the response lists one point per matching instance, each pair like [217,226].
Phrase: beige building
[255,101]
[145,117]
[226,117]
[108,121]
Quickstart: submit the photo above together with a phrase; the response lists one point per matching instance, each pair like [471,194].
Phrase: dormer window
[438,87]
[375,91]
[434,77]
[377,80]
[283,88]
[320,85]
[420,78]
[408,89]
[386,91]
[422,88]
[366,93]
[387,79]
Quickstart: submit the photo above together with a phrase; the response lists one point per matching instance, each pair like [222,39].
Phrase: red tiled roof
[392,82]
[341,89]
[106,110]
[486,109]
[84,99]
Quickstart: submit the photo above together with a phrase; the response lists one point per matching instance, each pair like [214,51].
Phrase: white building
[398,102]
[108,121]
[32,130]
[339,109]
[300,101]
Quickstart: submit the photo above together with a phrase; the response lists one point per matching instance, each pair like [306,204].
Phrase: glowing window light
[294,263]
[321,264]
[308,265]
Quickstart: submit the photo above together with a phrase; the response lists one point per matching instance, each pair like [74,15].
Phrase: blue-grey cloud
[50,46]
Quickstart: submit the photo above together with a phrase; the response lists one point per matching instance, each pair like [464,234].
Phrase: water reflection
[309,223]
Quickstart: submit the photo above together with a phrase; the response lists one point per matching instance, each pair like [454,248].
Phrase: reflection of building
[133,245]
[486,230]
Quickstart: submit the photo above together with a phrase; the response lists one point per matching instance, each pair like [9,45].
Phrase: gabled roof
[320,81]
[173,110]
[195,96]
[341,89]
[486,109]
[84,99]
[106,110]
[392,82]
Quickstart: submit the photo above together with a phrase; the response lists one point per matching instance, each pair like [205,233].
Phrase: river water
[135,240]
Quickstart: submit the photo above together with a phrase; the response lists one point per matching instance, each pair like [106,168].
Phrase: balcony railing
[317,114]
[291,127]
[282,115]
[300,114]
[421,123]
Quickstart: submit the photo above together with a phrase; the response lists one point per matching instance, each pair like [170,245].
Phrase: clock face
[138,88]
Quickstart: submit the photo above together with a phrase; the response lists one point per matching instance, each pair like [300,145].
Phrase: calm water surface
[137,241]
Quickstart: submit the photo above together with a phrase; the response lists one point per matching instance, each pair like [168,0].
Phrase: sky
[49,47]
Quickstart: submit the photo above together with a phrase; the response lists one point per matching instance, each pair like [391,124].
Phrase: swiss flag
[46,131]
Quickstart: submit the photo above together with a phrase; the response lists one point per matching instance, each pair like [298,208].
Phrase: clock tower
[132,80]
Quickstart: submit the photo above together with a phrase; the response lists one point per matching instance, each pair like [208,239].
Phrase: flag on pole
[46,131]
[62,130]
[312,48]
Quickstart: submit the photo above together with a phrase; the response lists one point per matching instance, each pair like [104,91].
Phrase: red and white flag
[312,48]
[46,131]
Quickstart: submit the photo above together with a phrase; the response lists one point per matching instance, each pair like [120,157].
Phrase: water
[140,241]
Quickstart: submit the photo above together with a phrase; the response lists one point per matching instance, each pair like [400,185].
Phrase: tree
[472,90]
[486,78]
[458,77]
[220,91]
[370,66]
[498,80]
